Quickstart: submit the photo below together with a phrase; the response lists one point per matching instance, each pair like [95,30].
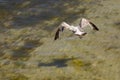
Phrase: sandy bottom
[28,51]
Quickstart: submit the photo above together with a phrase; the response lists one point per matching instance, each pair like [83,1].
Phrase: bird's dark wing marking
[57,34]
[62,29]
[94,26]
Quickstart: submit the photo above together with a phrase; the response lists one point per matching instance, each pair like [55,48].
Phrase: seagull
[77,30]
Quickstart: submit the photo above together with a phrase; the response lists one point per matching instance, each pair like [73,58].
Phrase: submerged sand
[28,51]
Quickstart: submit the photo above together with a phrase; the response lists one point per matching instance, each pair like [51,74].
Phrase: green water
[28,50]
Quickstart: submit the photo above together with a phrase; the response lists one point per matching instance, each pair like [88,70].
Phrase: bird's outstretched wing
[85,23]
[61,27]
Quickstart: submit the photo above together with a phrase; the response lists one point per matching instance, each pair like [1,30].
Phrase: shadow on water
[56,62]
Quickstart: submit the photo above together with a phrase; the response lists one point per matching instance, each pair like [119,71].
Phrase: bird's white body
[75,29]
[78,31]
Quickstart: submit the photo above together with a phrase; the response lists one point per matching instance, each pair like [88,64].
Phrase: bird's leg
[84,34]
[80,37]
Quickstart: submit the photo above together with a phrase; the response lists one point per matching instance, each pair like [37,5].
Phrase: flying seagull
[77,30]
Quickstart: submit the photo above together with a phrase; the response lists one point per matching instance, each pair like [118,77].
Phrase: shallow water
[28,51]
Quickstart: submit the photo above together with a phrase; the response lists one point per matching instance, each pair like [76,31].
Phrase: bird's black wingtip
[57,34]
[55,39]
[94,26]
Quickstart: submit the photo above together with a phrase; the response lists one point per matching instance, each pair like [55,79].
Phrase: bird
[77,30]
